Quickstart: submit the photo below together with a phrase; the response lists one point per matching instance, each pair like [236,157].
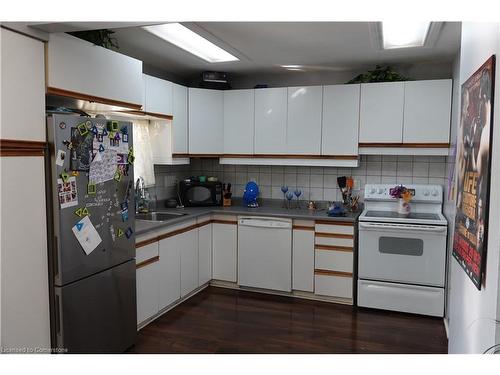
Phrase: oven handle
[412,228]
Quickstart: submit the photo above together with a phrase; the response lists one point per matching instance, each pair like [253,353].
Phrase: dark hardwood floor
[219,320]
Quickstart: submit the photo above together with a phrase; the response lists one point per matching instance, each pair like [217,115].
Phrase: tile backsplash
[316,183]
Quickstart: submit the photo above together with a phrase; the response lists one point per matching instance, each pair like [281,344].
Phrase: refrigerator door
[108,205]
[98,314]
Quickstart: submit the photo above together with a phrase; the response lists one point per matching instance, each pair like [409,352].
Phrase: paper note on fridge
[87,235]
[104,169]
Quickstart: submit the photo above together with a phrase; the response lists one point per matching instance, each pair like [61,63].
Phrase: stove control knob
[380,190]
[435,193]
[372,191]
[426,193]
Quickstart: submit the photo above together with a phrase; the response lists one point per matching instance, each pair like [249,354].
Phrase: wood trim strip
[219,221]
[302,227]
[406,145]
[200,156]
[334,235]
[17,147]
[180,155]
[347,249]
[152,114]
[147,262]
[204,223]
[176,232]
[332,273]
[91,98]
[146,242]
[328,222]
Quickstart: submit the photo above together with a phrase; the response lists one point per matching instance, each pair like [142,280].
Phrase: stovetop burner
[395,215]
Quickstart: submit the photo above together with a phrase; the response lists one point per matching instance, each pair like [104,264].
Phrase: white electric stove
[401,262]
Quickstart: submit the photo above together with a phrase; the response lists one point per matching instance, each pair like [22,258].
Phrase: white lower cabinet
[224,246]
[169,271]
[303,260]
[333,286]
[204,253]
[188,243]
[147,291]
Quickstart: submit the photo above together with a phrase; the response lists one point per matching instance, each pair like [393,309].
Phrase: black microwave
[199,194]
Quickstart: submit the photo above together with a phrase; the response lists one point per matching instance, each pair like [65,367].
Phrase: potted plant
[404,196]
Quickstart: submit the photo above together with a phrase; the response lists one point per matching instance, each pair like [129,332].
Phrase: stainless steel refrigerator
[92,256]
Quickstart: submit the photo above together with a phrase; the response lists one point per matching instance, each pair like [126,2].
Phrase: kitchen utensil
[298,193]
[284,189]
[171,203]
[311,205]
[289,197]
[202,178]
[212,179]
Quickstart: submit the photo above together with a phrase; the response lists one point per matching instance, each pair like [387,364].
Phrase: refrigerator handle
[55,257]
[58,316]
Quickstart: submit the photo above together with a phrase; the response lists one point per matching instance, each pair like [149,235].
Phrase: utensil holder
[226,202]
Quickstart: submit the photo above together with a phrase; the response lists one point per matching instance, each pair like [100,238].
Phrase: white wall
[471,312]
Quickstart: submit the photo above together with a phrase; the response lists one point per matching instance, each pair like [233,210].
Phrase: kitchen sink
[159,216]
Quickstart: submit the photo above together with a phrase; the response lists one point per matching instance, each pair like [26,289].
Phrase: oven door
[405,253]
[199,195]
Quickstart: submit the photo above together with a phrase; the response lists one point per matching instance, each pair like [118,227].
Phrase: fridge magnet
[123,168]
[81,153]
[112,232]
[62,125]
[97,156]
[75,173]
[128,232]
[120,232]
[113,142]
[94,130]
[117,176]
[111,135]
[79,212]
[101,148]
[125,215]
[87,235]
[125,137]
[124,206]
[475,134]
[68,144]
[113,126]
[64,176]
[121,158]
[61,155]
[82,128]
[88,124]
[99,137]
[117,136]
[124,130]
[104,132]
[67,192]
[91,188]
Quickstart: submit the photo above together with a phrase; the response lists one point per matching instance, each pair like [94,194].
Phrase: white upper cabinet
[270,120]
[23,84]
[206,121]
[239,121]
[427,111]
[160,141]
[180,121]
[303,134]
[80,67]
[381,112]
[340,120]
[158,95]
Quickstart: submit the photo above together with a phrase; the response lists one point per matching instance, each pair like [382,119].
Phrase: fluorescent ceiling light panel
[404,34]
[191,42]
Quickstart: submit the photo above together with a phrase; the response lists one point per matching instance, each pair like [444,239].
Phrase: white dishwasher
[265,253]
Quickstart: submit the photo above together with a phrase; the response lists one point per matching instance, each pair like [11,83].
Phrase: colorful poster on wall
[473,171]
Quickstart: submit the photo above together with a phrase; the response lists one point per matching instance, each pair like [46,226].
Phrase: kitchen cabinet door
[204,254]
[303,134]
[79,67]
[180,121]
[270,120]
[224,245]
[340,121]
[206,121]
[381,112]
[158,95]
[23,85]
[303,260]
[427,111]
[188,242]
[239,124]
[170,271]
[147,279]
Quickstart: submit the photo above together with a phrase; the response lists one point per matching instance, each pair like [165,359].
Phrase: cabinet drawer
[146,252]
[347,228]
[333,286]
[341,261]
[330,240]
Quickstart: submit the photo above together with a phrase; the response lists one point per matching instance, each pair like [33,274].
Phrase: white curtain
[143,164]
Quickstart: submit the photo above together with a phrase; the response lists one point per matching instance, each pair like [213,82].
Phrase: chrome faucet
[141,201]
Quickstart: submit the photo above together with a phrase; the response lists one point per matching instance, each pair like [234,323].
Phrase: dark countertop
[270,208]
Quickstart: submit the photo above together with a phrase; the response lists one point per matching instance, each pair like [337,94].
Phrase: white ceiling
[263,46]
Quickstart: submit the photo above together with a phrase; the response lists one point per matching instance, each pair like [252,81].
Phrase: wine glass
[289,196]
[298,193]
[284,189]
